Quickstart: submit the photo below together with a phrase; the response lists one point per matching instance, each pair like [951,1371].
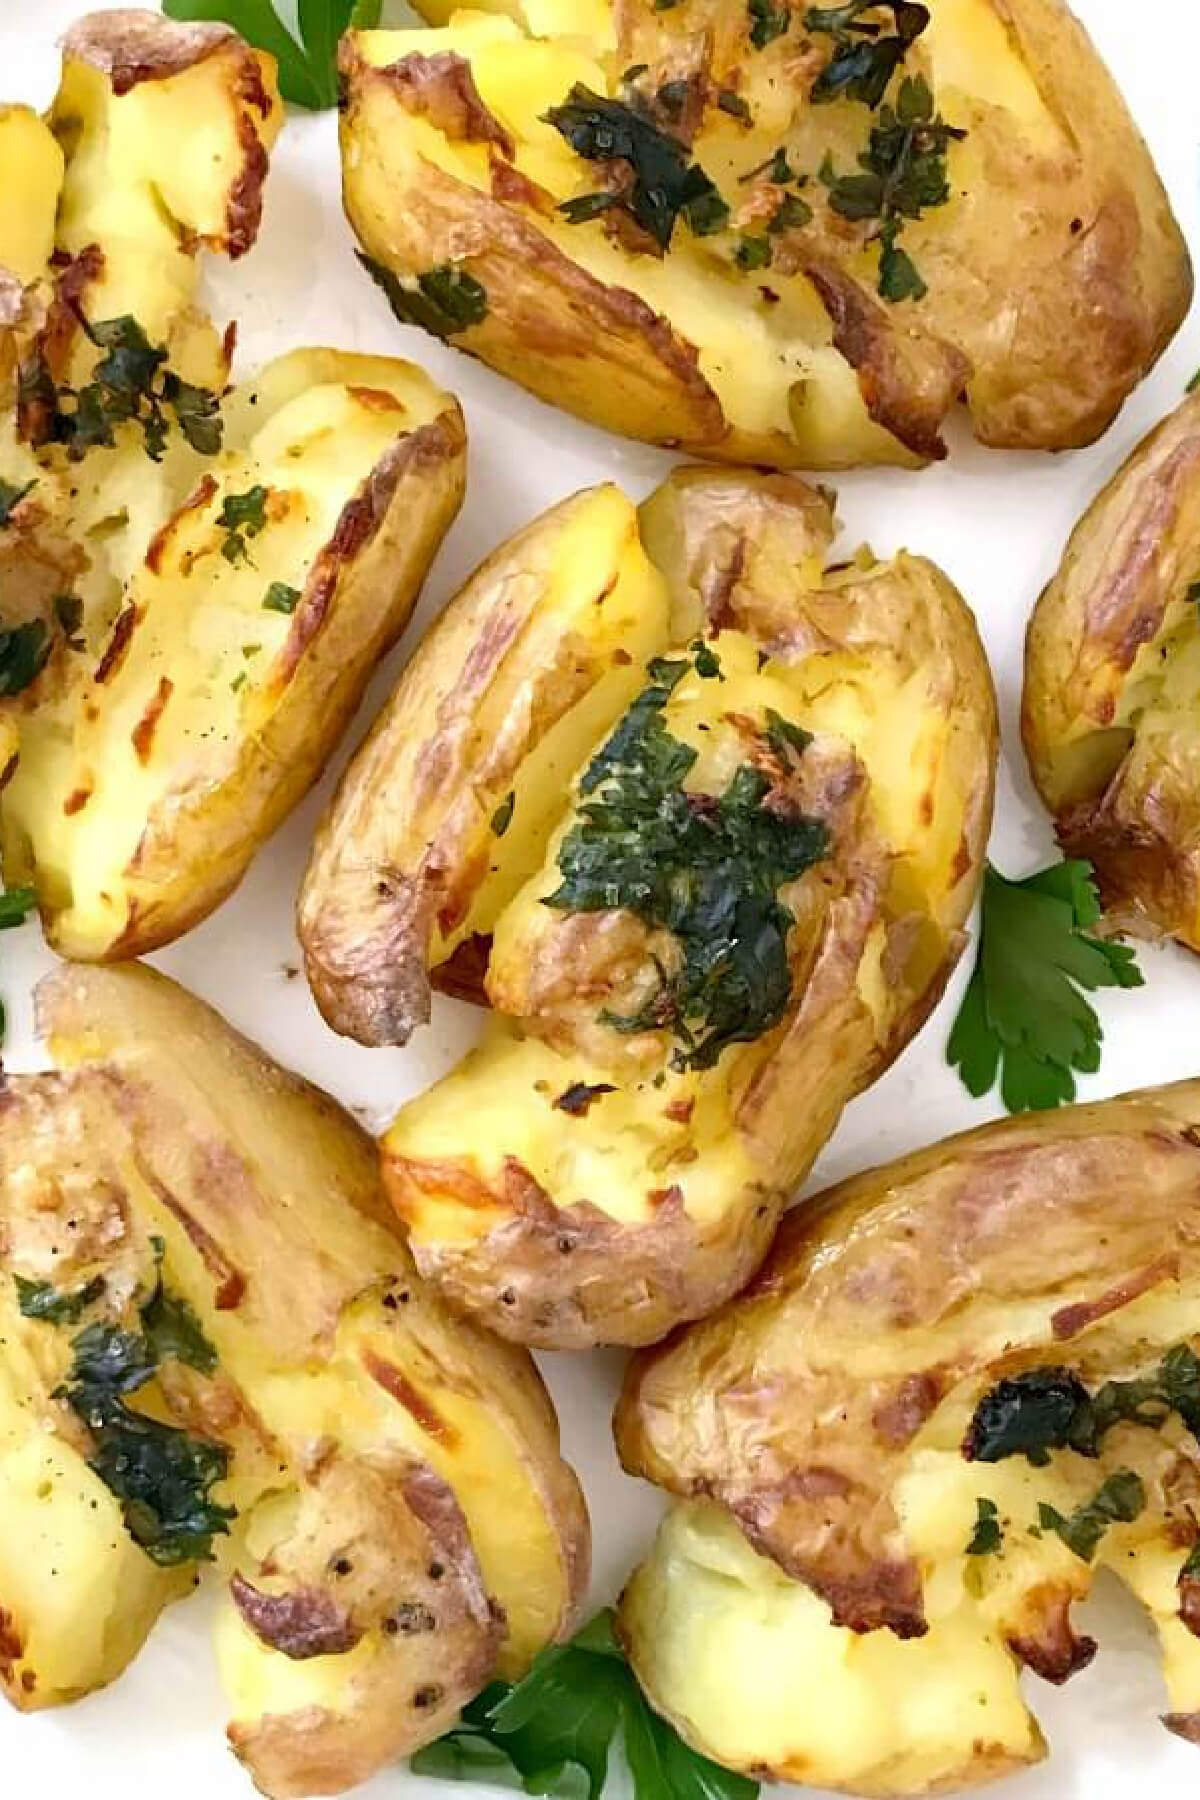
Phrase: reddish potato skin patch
[394,1382]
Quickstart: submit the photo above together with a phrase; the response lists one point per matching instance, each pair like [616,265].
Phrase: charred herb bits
[865,55]
[705,868]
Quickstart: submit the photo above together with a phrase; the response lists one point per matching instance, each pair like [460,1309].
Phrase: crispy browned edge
[131,45]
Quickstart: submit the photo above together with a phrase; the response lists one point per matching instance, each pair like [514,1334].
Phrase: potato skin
[1109,698]
[821,1418]
[143,787]
[651,348]
[381,1453]
[565,1183]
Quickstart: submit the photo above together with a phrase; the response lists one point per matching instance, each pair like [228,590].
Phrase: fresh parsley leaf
[664,184]
[706,868]
[173,1330]
[1024,1017]
[753,251]
[769,19]
[443,301]
[11,497]
[23,653]
[987,1536]
[1050,1409]
[16,904]
[554,1732]
[41,1300]
[129,384]
[242,516]
[281,598]
[1118,1501]
[307,64]
[864,57]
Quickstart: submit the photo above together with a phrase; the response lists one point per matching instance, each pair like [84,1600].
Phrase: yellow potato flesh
[204,626]
[27,206]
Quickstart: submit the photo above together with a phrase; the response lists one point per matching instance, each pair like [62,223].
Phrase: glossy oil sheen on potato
[562,1224]
[817,1616]
[1055,272]
[406,1529]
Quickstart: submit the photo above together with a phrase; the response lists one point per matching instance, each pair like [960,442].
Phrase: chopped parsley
[777,168]
[162,1475]
[306,59]
[242,516]
[1118,1501]
[281,598]
[11,497]
[1023,1017]
[24,650]
[769,19]
[502,818]
[443,301]
[706,868]
[902,174]
[41,1300]
[663,184]
[129,384]
[554,1732]
[987,1536]
[1050,1409]
[864,57]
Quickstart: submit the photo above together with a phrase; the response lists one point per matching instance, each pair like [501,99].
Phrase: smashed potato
[774,235]
[702,817]
[197,581]
[960,1385]
[215,1345]
[1112,676]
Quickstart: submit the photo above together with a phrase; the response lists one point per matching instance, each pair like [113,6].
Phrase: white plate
[997,524]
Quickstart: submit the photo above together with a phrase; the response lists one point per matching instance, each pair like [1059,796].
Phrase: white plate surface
[997,524]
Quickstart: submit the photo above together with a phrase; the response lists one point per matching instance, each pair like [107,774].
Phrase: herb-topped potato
[960,1385]
[703,817]
[773,233]
[197,580]
[1112,674]
[213,1345]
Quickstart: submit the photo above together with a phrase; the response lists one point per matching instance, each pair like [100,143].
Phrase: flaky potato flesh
[406,1529]
[814,1433]
[206,678]
[563,1217]
[1112,673]
[1057,231]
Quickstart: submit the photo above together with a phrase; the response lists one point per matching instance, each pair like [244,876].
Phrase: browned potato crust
[406,1529]
[569,1182]
[824,1412]
[1112,674]
[1054,273]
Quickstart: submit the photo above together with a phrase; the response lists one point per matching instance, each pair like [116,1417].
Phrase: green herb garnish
[129,384]
[706,868]
[68,610]
[11,497]
[24,650]
[1050,1409]
[443,301]
[987,1536]
[555,1731]
[242,516]
[777,168]
[281,598]
[503,816]
[308,67]
[1118,1501]
[864,58]
[1023,1016]
[664,187]
[902,175]
[41,1300]
[769,19]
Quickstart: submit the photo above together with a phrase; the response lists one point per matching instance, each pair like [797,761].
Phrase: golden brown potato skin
[1056,273]
[382,1454]
[1111,679]
[813,1409]
[565,1219]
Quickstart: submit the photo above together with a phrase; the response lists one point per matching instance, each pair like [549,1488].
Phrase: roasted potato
[902,1455]
[393,1522]
[772,235]
[705,817]
[195,598]
[1112,676]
